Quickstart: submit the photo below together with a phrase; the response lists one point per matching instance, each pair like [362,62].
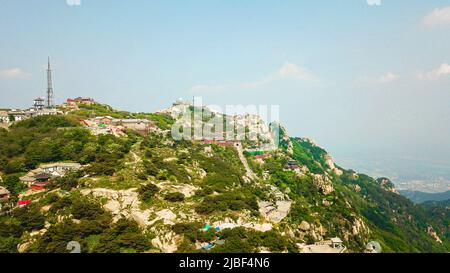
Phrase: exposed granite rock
[167,242]
[387,185]
[330,163]
[324,183]
[305,226]
[433,234]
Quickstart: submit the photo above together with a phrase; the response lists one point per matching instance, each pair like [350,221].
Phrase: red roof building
[262,156]
[37,188]
[23,202]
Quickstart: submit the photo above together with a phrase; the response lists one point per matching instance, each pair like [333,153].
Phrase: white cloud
[374,2]
[13,73]
[441,71]
[288,71]
[384,79]
[389,77]
[439,17]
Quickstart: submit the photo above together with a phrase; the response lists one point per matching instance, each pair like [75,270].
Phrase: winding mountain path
[250,174]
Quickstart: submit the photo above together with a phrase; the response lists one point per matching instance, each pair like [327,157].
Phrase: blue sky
[359,79]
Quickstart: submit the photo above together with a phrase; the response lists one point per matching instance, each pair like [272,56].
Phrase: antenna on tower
[50,103]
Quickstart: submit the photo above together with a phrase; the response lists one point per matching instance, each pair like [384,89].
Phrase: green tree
[174,197]
[13,184]
[147,192]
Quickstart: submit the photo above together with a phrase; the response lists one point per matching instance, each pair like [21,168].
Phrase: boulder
[305,226]
[324,183]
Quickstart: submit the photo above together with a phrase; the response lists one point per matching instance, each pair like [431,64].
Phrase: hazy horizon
[366,82]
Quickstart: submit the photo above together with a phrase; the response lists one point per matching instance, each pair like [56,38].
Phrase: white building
[4,117]
[59,168]
[18,115]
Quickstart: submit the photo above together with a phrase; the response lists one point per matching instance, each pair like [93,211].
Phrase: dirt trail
[135,158]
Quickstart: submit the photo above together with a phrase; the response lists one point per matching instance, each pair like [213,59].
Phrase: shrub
[9,244]
[174,197]
[194,232]
[147,192]
[101,168]
[13,184]
[61,203]
[123,236]
[86,209]
[69,181]
[142,176]
[10,229]
[150,168]
[184,228]
[30,217]
[236,201]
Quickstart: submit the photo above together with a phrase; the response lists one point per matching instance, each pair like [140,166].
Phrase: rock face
[387,185]
[186,189]
[324,183]
[284,137]
[433,234]
[142,217]
[125,203]
[330,163]
[359,227]
[229,223]
[120,203]
[314,231]
[167,215]
[167,243]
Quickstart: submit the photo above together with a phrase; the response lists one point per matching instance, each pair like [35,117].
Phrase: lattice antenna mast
[50,103]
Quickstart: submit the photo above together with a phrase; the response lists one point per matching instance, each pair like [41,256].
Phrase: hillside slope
[421,197]
[149,193]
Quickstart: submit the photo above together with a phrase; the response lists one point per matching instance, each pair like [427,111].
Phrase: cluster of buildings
[38,109]
[115,126]
[80,100]
[41,106]
[37,179]
[72,104]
